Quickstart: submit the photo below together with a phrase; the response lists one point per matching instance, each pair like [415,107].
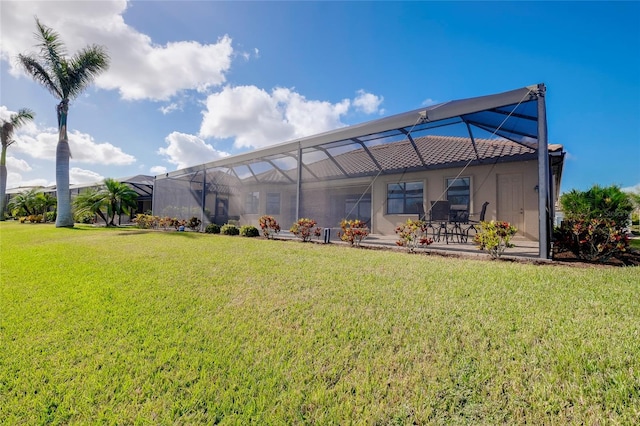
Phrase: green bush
[595,223]
[86,218]
[212,228]
[249,231]
[597,203]
[495,237]
[50,216]
[229,229]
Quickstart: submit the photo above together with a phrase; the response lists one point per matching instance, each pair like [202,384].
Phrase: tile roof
[436,151]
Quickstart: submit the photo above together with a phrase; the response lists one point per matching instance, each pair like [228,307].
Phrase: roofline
[431,113]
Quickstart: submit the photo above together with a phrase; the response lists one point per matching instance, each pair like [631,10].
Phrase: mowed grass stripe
[129,326]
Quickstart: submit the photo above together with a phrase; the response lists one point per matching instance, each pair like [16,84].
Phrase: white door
[511,200]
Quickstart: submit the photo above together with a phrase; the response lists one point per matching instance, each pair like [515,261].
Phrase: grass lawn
[122,326]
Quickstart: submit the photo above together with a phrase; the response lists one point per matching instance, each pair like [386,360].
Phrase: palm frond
[84,67]
[52,49]
[21,117]
[40,74]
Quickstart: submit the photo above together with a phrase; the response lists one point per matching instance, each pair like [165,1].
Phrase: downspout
[543,176]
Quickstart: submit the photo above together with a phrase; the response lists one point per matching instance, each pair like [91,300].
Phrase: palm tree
[66,78]
[24,203]
[121,198]
[6,133]
[92,201]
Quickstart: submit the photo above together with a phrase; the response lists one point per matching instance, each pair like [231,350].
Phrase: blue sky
[190,82]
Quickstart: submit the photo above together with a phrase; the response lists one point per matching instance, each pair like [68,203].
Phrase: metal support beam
[299,185]
[368,153]
[473,141]
[415,147]
[543,177]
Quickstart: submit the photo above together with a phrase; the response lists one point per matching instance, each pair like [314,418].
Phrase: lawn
[123,326]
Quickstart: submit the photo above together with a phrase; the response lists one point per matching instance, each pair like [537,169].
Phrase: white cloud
[429,102]
[185,150]
[368,102]
[15,180]
[158,170]
[169,108]
[14,163]
[79,176]
[635,188]
[41,143]
[256,118]
[140,69]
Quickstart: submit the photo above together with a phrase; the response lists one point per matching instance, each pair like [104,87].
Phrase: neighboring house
[488,149]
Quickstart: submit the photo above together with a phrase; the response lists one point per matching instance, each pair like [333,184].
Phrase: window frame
[469,192]
[252,202]
[271,204]
[405,196]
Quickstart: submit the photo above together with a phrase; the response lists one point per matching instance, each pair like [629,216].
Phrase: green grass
[121,326]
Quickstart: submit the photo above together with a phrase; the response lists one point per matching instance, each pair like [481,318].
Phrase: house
[466,152]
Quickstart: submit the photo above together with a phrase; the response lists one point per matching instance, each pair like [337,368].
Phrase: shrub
[212,228]
[177,223]
[353,231]
[35,218]
[50,216]
[593,240]
[304,229]
[269,226]
[495,237]
[249,231]
[229,229]
[22,219]
[146,221]
[194,223]
[413,233]
[595,223]
[597,203]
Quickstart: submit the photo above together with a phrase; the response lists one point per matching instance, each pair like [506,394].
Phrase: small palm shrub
[305,228]
[229,229]
[212,228]
[269,226]
[495,237]
[353,231]
[50,216]
[412,234]
[249,231]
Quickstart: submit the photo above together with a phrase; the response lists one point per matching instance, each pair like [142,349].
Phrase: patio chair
[438,218]
[472,223]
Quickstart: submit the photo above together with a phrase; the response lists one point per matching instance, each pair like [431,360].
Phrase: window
[404,197]
[273,203]
[252,203]
[459,193]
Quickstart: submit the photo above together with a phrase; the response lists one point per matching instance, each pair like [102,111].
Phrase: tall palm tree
[66,78]
[6,133]
[121,198]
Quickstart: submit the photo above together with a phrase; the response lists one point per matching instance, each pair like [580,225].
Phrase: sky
[193,81]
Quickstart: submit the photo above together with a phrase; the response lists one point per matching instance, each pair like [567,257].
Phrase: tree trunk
[65,216]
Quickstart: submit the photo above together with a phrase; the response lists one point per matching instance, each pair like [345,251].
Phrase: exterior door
[511,200]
